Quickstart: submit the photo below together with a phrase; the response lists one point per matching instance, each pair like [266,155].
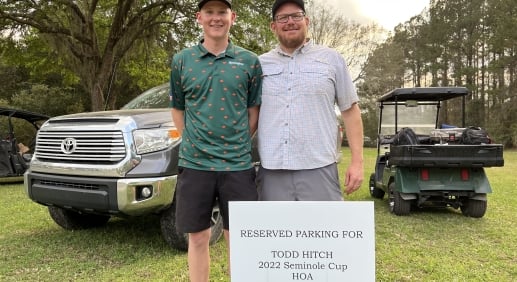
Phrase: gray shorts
[319,184]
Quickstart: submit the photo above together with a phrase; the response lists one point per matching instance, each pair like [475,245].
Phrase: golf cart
[422,162]
[15,153]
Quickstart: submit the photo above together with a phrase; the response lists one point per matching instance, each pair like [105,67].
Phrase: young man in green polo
[215,98]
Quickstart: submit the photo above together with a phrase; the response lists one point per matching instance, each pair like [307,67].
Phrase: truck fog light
[143,192]
[146,192]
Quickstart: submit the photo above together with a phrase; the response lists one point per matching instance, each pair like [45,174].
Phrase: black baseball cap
[203,2]
[279,3]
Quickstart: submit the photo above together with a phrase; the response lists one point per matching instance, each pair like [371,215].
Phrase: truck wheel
[473,208]
[72,220]
[374,191]
[178,240]
[398,205]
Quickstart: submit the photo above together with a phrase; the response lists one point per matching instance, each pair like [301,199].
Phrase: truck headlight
[152,140]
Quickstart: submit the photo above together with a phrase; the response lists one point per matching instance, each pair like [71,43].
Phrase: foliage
[353,40]
[110,51]
[428,245]
[51,101]
[93,37]
[251,29]
[112,48]
[457,43]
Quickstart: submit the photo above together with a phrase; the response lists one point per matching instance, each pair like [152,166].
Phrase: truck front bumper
[110,196]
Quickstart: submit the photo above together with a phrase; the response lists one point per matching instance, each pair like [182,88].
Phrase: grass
[428,245]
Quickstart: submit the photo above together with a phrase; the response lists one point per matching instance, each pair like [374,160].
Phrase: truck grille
[85,147]
[70,185]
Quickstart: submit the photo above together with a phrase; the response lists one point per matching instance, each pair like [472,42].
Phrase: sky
[387,13]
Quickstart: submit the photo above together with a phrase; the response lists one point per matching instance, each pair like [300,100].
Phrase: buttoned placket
[290,73]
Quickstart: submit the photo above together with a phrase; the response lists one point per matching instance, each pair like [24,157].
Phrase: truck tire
[374,191]
[473,208]
[178,240]
[398,205]
[72,220]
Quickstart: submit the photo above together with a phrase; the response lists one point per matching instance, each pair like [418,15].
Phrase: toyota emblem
[68,145]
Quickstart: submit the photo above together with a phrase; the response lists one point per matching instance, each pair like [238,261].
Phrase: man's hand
[353,178]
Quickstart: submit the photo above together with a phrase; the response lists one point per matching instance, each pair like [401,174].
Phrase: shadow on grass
[382,205]
[137,235]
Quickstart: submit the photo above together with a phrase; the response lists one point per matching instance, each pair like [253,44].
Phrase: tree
[251,29]
[459,43]
[105,43]
[353,40]
[92,37]
[51,101]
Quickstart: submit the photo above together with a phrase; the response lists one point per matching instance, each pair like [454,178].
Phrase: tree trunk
[97,97]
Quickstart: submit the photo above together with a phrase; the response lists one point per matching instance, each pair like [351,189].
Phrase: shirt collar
[302,49]
[230,50]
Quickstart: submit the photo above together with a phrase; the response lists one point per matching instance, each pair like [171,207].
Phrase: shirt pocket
[317,80]
[273,83]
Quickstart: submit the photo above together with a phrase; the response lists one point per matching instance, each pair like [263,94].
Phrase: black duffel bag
[474,135]
[406,136]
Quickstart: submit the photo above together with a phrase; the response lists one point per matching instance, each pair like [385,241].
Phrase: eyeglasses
[285,18]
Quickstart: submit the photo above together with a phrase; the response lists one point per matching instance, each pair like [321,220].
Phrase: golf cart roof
[423,94]
[26,115]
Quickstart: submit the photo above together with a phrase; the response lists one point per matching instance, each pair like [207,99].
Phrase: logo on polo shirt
[236,63]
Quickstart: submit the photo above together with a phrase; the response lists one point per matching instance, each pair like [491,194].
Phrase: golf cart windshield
[420,118]
[416,108]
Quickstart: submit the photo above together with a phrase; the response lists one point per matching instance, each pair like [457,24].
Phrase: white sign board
[302,241]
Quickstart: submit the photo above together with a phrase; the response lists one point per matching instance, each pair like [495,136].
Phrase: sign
[302,241]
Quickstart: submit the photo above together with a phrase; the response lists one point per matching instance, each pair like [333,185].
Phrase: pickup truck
[88,167]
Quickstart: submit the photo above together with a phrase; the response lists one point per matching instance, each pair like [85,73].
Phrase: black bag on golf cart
[474,135]
[406,136]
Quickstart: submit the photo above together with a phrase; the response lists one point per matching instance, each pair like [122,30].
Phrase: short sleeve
[176,95]
[255,85]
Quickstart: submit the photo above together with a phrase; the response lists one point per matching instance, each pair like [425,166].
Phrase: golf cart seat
[5,158]
[11,163]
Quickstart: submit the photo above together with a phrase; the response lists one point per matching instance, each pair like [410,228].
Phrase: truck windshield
[154,98]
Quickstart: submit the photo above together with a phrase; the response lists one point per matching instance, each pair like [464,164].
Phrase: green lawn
[430,245]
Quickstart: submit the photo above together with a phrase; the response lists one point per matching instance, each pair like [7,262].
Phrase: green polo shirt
[215,93]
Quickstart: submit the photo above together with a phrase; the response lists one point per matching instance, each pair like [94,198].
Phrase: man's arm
[253,114]
[354,134]
[178,116]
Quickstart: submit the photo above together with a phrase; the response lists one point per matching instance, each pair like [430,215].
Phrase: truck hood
[144,118]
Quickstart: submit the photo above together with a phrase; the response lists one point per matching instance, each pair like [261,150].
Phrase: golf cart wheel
[473,208]
[374,191]
[398,205]
[72,220]
[179,240]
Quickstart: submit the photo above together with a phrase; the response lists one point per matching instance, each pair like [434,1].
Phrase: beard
[292,41]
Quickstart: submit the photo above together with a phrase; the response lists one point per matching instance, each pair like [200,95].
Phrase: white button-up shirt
[297,126]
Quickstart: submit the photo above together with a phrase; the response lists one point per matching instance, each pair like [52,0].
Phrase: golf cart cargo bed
[447,155]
